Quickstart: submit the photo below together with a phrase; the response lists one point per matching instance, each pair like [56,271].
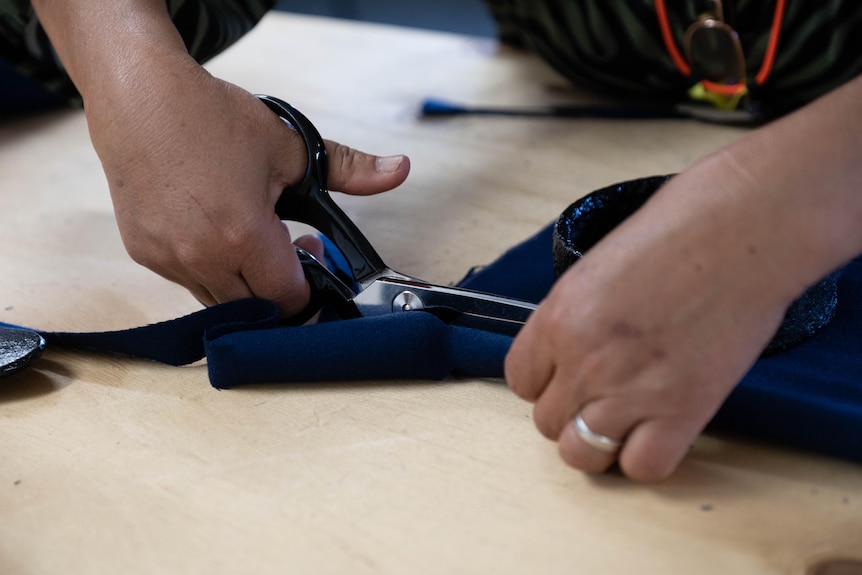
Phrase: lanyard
[728,92]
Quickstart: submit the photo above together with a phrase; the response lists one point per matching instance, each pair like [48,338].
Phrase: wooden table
[111,465]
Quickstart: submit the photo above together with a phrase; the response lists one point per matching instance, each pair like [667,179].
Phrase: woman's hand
[649,332]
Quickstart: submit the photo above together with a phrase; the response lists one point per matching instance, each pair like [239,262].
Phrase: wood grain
[111,465]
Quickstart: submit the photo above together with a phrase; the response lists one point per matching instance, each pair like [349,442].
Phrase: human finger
[202,294]
[205,284]
[558,403]
[529,364]
[594,438]
[312,244]
[354,172]
[228,287]
[273,271]
[654,448]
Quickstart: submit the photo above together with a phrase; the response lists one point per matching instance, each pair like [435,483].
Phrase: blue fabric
[809,396]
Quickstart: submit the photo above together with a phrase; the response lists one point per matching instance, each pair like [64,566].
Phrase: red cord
[772,47]
[723,89]
[685,69]
[667,36]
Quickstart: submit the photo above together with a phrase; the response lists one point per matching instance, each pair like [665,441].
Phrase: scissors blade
[459,306]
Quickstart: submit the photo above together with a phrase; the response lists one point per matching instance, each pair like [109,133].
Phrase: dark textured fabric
[206,26]
[19,94]
[809,396]
[616,45]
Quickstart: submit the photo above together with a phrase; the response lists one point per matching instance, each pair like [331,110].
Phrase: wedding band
[597,440]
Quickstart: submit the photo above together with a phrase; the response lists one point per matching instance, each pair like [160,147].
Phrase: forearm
[803,175]
[108,45]
[814,160]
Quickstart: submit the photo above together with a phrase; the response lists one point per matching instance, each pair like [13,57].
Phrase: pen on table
[438,107]
[435,107]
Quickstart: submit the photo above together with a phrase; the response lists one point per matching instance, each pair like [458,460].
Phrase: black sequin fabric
[589,219]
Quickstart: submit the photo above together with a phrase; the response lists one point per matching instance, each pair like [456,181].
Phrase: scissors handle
[309,201]
[327,290]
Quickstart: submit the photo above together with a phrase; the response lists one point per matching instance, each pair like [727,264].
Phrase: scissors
[375,289]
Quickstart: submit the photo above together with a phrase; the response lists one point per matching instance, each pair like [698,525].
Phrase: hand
[649,332]
[195,166]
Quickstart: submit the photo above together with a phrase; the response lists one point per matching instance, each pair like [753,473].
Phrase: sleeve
[616,46]
[207,27]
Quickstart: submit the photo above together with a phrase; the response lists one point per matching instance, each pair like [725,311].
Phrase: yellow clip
[725,97]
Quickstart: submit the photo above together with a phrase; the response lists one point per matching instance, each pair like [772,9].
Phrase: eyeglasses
[713,49]
[714,52]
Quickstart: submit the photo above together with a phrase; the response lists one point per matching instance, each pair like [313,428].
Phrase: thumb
[358,173]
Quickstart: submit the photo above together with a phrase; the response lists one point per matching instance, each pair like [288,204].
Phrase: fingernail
[389,164]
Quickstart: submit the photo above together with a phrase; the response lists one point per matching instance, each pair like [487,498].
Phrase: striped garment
[207,28]
[607,45]
[615,46]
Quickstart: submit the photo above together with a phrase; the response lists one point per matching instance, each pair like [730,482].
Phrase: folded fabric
[809,396]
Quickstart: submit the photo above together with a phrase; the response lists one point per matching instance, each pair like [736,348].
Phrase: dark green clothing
[207,28]
[608,45]
[616,45]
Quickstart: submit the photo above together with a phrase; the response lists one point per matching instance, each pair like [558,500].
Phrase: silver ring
[597,440]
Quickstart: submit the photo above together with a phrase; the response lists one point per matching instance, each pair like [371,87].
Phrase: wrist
[806,167]
[787,193]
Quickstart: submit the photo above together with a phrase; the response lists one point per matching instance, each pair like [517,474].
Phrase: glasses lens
[715,53]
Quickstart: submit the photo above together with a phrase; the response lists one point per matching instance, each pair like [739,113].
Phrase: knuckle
[558,319]
[140,256]
[190,259]
[147,255]
[346,158]
[591,373]
[513,374]
[234,238]
[187,253]
[546,421]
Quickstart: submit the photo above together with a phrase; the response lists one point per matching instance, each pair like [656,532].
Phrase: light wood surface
[112,465]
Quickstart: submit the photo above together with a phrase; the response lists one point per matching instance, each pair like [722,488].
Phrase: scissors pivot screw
[407,301]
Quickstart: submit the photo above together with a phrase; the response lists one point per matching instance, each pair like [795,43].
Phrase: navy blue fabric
[525,272]
[407,345]
[809,396]
[175,342]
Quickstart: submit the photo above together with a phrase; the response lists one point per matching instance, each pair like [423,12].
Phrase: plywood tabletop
[117,465]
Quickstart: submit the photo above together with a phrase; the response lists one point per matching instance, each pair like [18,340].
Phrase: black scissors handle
[309,201]
[381,290]
[327,290]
